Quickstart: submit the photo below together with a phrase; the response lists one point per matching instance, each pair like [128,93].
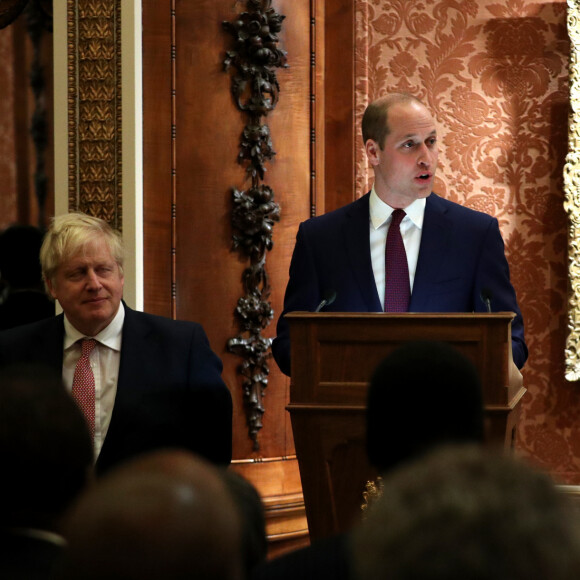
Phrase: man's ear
[372,150]
[50,287]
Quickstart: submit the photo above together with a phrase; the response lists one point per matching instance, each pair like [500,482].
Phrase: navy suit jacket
[461,253]
[169,391]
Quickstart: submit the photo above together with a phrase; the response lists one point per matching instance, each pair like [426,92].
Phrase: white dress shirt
[105,359]
[411,227]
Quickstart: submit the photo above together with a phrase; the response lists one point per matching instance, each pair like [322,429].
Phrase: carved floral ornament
[572,196]
[255,89]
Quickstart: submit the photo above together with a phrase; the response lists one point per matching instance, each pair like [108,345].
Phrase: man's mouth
[424,176]
[95,300]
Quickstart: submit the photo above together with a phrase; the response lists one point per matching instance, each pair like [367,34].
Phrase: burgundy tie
[397,285]
[83,389]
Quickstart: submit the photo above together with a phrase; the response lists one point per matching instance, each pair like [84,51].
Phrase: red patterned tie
[397,285]
[83,389]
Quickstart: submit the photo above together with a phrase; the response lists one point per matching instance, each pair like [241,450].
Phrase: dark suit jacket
[461,253]
[325,558]
[169,392]
[26,558]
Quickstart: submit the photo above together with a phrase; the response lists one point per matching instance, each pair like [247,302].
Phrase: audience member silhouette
[251,509]
[46,455]
[165,514]
[463,512]
[23,298]
[422,395]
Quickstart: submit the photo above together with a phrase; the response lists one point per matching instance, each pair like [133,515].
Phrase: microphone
[486,295]
[328,298]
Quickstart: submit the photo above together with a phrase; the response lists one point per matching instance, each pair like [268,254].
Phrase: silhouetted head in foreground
[421,395]
[167,514]
[46,450]
[463,512]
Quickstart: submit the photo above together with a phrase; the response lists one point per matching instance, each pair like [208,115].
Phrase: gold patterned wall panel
[94,108]
[495,75]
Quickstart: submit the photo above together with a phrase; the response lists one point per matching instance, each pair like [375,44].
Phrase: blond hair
[69,234]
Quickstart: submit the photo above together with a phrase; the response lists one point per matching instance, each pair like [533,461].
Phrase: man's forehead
[413,134]
[89,253]
[410,117]
[409,126]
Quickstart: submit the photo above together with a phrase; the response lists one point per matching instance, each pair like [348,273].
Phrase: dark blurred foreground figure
[251,510]
[422,395]
[23,298]
[46,455]
[166,514]
[463,512]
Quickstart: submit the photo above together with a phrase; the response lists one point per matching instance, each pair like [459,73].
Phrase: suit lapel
[130,367]
[435,240]
[133,350]
[358,252]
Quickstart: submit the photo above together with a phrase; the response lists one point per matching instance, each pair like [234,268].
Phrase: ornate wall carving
[94,108]
[255,89]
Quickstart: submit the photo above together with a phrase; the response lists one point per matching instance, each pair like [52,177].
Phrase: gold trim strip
[572,196]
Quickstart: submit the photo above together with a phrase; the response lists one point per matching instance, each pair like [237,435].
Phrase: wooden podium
[333,356]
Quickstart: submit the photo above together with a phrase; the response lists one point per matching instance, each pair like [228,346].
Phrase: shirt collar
[380,211]
[38,534]
[110,335]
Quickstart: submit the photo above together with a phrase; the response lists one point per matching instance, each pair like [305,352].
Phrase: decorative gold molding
[94,108]
[572,196]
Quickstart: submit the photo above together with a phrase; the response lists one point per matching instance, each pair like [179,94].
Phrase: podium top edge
[403,315]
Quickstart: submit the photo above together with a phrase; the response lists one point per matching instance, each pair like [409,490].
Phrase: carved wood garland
[255,90]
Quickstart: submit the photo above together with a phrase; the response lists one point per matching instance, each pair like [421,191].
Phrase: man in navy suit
[157,381]
[455,255]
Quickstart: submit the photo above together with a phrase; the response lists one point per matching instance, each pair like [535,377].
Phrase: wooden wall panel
[337,103]
[189,172]
[157,155]
[19,161]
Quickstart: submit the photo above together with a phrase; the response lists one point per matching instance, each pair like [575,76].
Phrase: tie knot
[87,345]
[397,216]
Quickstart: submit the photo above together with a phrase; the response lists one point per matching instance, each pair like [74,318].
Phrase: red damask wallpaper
[7,127]
[495,76]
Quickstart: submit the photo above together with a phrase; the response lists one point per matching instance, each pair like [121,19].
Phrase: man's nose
[425,157]
[93,280]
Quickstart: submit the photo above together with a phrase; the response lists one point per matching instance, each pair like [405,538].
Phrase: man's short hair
[423,394]
[69,234]
[466,512]
[375,123]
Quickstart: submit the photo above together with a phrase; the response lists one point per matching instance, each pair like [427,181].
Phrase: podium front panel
[333,357]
